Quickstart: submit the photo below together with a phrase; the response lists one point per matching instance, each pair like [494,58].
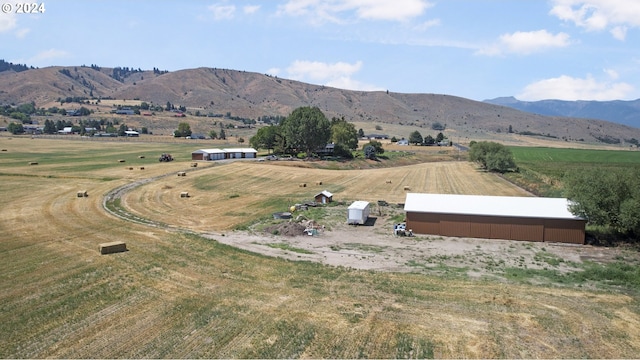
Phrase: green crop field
[179,294]
[542,169]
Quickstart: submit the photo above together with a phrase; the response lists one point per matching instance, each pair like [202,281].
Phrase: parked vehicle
[400,229]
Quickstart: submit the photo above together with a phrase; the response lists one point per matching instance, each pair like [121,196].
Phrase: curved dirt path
[375,248]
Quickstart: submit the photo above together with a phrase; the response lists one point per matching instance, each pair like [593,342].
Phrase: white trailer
[358,213]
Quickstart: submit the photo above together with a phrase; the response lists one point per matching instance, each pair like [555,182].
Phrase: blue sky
[477,49]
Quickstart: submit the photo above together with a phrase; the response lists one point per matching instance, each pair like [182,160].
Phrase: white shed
[358,213]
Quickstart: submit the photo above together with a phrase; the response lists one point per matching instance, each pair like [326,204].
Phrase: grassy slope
[178,295]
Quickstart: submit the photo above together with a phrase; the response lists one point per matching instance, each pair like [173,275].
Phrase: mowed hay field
[224,196]
[179,295]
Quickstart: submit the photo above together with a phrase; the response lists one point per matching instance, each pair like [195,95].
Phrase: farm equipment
[165,157]
[401,230]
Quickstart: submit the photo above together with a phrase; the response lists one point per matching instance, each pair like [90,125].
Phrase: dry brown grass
[174,295]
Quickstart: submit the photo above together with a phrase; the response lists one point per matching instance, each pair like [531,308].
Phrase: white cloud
[597,15]
[348,83]
[611,73]
[335,75]
[427,25]
[251,9]
[570,88]
[221,11]
[319,71]
[7,22]
[525,43]
[339,10]
[619,32]
[22,33]
[273,71]
[44,58]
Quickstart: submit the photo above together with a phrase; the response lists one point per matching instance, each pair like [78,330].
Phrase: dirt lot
[375,248]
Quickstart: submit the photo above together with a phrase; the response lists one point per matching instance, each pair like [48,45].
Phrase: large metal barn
[494,217]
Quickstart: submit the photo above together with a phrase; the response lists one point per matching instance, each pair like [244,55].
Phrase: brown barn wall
[566,231]
[198,156]
[525,229]
[500,229]
[455,225]
[493,227]
[423,223]
[480,227]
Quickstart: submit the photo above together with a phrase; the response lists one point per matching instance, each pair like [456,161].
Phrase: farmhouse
[221,154]
[131,133]
[494,217]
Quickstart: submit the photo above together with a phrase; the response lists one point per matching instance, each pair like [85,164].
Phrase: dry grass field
[176,294]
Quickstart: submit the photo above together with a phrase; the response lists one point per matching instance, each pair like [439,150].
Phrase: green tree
[344,134]
[415,138]
[377,146]
[360,133]
[437,126]
[223,135]
[439,137]
[19,116]
[370,152]
[15,128]
[49,127]
[606,197]
[492,156]
[184,130]
[429,140]
[213,134]
[265,138]
[122,130]
[306,129]
[27,108]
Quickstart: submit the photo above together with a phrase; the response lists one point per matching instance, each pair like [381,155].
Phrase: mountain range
[618,111]
[251,95]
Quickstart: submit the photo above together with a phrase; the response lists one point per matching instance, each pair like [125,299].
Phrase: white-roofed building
[221,154]
[494,217]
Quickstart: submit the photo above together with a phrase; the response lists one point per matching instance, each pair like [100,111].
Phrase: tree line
[306,132]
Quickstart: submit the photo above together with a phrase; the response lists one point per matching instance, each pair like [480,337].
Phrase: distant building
[125,111]
[221,154]
[327,150]
[131,133]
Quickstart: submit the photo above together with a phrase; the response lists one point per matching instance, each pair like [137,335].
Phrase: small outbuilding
[323,197]
[494,217]
[358,213]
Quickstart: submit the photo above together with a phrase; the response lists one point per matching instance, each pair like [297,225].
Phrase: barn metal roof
[509,206]
[227,150]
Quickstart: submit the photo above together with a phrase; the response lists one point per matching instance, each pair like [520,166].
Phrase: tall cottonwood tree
[306,129]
